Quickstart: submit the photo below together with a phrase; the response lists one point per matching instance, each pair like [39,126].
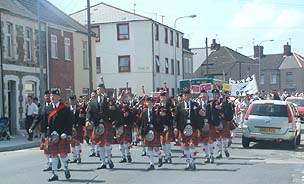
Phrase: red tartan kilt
[226,132]
[62,147]
[80,134]
[88,133]
[155,142]
[167,136]
[190,140]
[214,133]
[108,136]
[126,137]
[204,137]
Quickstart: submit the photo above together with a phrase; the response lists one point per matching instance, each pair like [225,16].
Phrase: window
[123,31]
[171,37]
[172,66]
[178,67]
[262,80]
[289,77]
[273,79]
[124,64]
[177,40]
[28,43]
[85,91]
[85,55]
[96,30]
[54,47]
[67,49]
[166,35]
[167,65]
[9,41]
[156,32]
[173,93]
[157,64]
[30,88]
[98,65]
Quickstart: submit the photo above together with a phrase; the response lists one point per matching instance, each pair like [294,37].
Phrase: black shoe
[193,167]
[59,164]
[151,167]
[211,159]
[97,155]
[73,161]
[229,142]
[219,156]
[170,160]
[227,154]
[166,161]
[129,159]
[53,178]
[102,166]
[47,169]
[144,154]
[79,161]
[92,155]
[207,161]
[87,140]
[160,162]
[123,160]
[67,174]
[111,164]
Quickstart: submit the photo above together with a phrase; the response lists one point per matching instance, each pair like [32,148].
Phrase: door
[12,107]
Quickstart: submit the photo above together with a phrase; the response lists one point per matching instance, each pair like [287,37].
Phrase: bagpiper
[59,133]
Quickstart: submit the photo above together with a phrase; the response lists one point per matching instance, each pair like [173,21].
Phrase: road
[262,163]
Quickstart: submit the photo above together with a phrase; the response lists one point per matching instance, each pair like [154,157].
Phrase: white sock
[210,148]
[54,165]
[108,152]
[49,160]
[206,149]
[122,150]
[225,144]
[165,150]
[97,149]
[102,155]
[92,148]
[64,159]
[127,149]
[78,151]
[219,145]
[151,156]
[169,148]
[73,149]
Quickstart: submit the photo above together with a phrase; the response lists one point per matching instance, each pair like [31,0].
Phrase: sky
[237,24]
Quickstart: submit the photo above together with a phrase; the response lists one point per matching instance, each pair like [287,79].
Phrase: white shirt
[32,109]
[56,105]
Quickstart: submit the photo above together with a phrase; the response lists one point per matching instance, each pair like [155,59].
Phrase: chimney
[186,44]
[214,45]
[258,51]
[287,50]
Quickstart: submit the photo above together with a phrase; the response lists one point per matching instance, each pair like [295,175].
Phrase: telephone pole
[207,65]
[90,46]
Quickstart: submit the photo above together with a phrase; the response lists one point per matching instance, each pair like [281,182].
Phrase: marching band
[192,123]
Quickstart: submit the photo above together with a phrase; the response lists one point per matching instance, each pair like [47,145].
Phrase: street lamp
[174,45]
[259,45]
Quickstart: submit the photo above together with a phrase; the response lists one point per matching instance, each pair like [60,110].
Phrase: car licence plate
[267,130]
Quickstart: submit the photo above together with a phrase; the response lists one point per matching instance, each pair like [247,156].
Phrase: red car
[299,101]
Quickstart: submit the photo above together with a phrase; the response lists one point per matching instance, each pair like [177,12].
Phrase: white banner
[244,87]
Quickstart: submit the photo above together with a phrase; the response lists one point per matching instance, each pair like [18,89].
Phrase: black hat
[180,94]
[47,92]
[215,91]
[203,91]
[101,86]
[186,91]
[56,92]
[163,93]
[150,99]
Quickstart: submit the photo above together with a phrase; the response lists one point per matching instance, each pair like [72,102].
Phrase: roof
[276,102]
[51,14]
[292,62]
[223,60]
[271,61]
[14,6]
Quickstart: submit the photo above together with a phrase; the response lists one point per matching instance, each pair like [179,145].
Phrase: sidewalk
[18,142]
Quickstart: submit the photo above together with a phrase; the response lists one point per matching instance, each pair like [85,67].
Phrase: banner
[206,86]
[195,89]
[244,87]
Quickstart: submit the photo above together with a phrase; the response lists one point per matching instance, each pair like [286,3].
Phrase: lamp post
[259,45]
[174,45]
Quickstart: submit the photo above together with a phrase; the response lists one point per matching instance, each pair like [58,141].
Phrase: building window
[9,41]
[177,40]
[289,77]
[171,37]
[30,88]
[123,31]
[157,64]
[273,78]
[172,66]
[173,93]
[67,49]
[85,91]
[54,47]
[98,65]
[28,43]
[156,32]
[96,30]
[85,55]
[262,79]
[166,35]
[167,65]
[178,67]
[124,64]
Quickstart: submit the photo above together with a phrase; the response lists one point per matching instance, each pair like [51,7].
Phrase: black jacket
[61,122]
[182,116]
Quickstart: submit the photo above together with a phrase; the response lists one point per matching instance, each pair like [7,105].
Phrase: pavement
[18,142]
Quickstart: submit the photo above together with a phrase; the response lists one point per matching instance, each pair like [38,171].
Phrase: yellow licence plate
[267,130]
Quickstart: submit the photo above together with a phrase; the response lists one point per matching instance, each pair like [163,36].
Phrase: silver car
[271,120]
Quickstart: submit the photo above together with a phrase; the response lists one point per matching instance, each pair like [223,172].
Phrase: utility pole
[90,46]
[207,65]
[40,57]
[1,69]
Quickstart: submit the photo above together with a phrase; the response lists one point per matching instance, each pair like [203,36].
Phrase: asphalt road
[262,163]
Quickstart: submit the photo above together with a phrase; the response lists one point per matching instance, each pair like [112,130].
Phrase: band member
[124,132]
[30,115]
[151,133]
[59,132]
[187,114]
[165,118]
[214,109]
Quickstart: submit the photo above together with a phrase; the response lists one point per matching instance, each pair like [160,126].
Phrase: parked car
[299,101]
[271,120]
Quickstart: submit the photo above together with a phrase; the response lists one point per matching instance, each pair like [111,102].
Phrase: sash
[55,111]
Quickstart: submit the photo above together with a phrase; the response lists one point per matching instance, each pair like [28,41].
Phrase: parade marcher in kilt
[124,128]
[165,118]
[187,117]
[150,131]
[214,110]
[59,133]
[225,134]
